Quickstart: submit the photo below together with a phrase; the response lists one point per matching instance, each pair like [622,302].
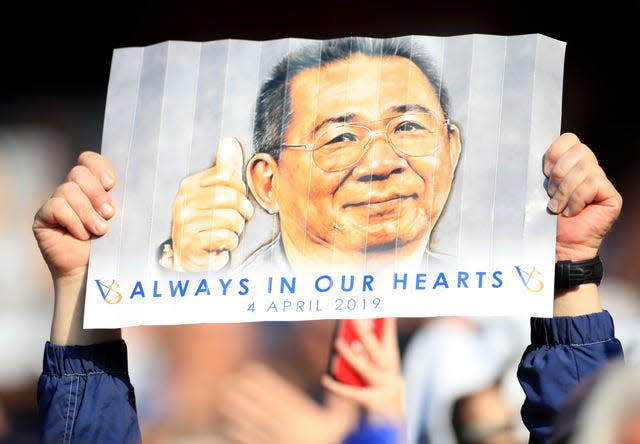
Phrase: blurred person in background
[621,290]
[484,417]
[455,364]
[235,383]
[280,398]
[191,363]
[604,408]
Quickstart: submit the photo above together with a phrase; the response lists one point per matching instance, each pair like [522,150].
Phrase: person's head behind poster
[354,152]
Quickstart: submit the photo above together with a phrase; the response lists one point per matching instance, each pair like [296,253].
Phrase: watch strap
[572,273]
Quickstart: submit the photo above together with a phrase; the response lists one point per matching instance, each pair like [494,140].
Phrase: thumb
[229,157]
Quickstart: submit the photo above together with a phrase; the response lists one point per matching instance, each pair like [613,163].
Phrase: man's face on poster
[377,197]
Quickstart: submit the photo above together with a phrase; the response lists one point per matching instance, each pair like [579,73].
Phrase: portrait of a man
[354,152]
[297,179]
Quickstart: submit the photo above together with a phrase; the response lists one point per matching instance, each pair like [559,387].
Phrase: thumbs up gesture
[210,211]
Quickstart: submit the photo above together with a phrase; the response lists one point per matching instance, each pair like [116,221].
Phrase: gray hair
[273,108]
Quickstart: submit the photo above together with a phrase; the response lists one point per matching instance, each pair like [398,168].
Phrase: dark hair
[273,109]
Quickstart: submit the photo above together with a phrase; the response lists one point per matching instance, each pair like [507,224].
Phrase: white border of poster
[490,253]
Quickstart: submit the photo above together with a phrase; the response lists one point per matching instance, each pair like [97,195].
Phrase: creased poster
[302,179]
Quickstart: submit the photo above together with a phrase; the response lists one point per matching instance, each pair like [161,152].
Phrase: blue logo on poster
[530,279]
[111,296]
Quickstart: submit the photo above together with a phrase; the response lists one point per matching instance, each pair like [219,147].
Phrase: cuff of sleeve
[572,330]
[108,357]
[374,434]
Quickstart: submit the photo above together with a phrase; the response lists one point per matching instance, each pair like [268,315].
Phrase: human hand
[586,201]
[209,212]
[78,208]
[378,363]
[63,226]
[259,406]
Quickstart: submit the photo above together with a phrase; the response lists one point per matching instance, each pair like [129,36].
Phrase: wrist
[575,253]
[576,287]
[68,313]
[577,301]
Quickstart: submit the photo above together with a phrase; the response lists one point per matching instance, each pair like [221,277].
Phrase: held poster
[303,179]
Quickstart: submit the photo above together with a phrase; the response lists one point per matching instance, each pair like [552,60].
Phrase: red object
[339,369]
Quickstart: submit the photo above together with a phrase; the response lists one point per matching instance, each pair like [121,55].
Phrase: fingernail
[566,212]
[107,180]
[100,226]
[106,209]
[553,206]
[551,189]
[86,234]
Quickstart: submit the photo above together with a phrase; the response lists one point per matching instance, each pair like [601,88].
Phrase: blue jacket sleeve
[85,396]
[368,433]
[563,352]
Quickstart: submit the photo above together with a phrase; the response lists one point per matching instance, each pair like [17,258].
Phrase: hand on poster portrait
[259,406]
[209,212]
[378,363]
[581,194]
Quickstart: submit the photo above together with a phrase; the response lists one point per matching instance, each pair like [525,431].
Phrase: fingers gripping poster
[351,178]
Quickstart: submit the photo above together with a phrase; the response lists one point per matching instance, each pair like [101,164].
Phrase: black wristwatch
[570,273]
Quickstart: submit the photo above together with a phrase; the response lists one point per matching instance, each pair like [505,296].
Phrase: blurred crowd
[260,382]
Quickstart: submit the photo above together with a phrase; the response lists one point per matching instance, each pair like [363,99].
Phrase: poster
[303,179]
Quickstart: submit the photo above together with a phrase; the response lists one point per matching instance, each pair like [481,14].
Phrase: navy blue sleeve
[563,351]
[368,433]
[85,396]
